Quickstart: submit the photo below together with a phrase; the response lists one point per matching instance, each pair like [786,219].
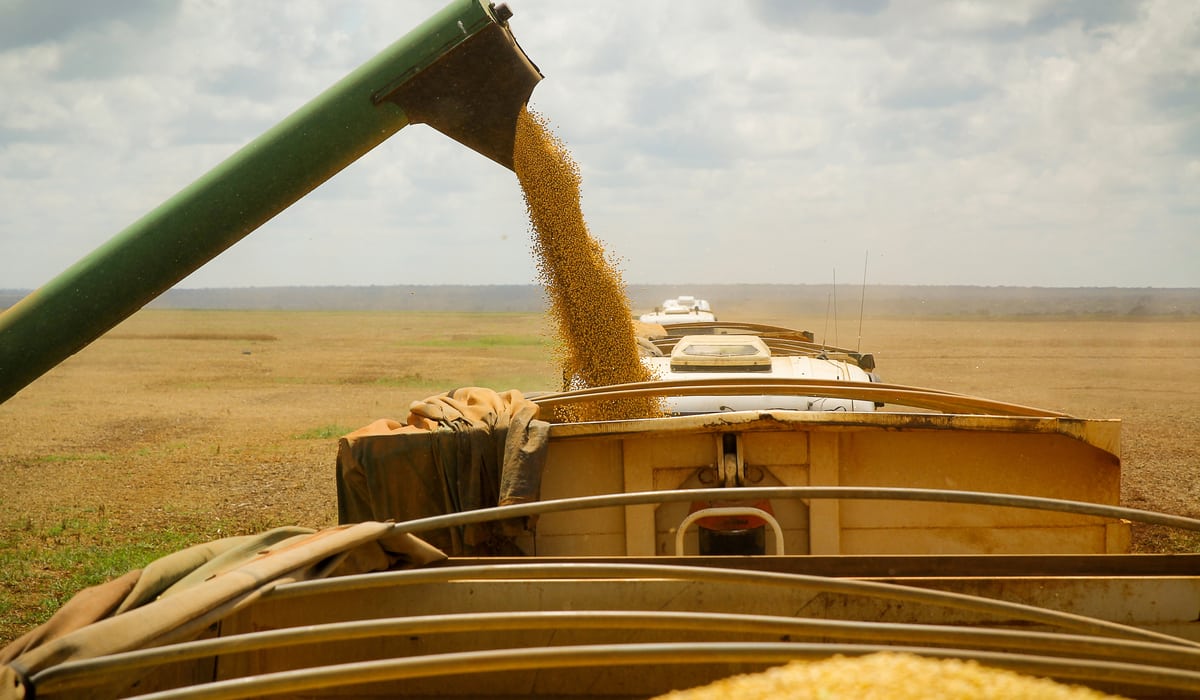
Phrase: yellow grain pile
[588,304]
[886,676]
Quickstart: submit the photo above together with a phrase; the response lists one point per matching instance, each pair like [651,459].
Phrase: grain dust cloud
[588,303]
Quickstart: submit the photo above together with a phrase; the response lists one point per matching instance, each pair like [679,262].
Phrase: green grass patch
[408,381]
[83,565]
[59,558]
[401,381]
[323,432]
[483,341]
[76,457]
[72,527]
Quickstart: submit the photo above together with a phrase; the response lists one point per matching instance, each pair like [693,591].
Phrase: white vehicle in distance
[683,309]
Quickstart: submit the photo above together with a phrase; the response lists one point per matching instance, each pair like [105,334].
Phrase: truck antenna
[830,310]
[862,302]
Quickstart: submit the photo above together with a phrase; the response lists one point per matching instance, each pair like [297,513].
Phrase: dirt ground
[211,423]
[235,416]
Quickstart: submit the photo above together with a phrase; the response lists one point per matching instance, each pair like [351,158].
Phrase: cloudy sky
[1024,142]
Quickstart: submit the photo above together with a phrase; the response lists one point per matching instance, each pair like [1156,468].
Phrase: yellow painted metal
[1051,457]
[1162,604]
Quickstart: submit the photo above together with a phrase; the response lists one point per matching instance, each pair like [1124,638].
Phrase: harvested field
[179,426]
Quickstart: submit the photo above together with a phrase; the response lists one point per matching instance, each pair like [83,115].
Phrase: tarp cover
[177,597]
[466,449]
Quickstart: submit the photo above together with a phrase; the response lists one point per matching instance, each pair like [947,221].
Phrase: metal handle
[728,510]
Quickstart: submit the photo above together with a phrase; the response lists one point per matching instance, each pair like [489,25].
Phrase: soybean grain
[887,676]
[587,299]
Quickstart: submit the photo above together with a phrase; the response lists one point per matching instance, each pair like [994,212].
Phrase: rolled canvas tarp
[463,450]
[179,596]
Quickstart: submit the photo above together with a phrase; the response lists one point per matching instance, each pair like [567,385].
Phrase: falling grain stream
[587,297]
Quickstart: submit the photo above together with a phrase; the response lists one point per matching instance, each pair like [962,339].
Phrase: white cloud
[1039,143]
